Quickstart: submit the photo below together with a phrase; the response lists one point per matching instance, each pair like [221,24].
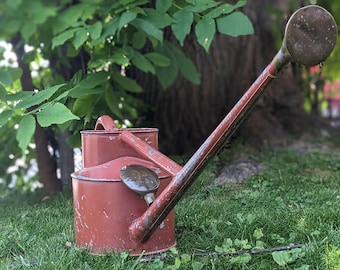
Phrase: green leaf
[226,246]
[77,77]
[189,70]
[205,31]
[201,6]
[10,26]
[55,113]
[182,27]
[15,73]
[3,92]
[119,57]
[39,97]
[186,66]
[20,96]
[235,24]
[112,99]
[5,116]
[259,244]
[138,40]
[149,28]
[141,62]
[88,10]
[241,259]
[29,29]
[258,234]
[25,131]
[14,4]
[80,38]
[224,9]
[93,80]
[63,37]
[41,13]
[109,29]
[5,77]
[158,59]
[77,92]
[167,75]
[68,17]
[83,105]
[126,17]
[163,5]
[197,265]
[95,30]
[281,257]
[128,84]
[160,19]
[74,140]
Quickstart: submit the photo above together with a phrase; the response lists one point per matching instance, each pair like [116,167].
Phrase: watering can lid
[109,171]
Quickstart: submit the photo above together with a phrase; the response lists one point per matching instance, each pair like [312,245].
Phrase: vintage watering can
[125,195]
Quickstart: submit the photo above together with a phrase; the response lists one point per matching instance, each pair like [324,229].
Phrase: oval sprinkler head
[141,180]
[310,35]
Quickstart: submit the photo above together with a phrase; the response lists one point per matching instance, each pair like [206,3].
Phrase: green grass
[295,200]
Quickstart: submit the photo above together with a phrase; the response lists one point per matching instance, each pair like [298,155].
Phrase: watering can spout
[310,37]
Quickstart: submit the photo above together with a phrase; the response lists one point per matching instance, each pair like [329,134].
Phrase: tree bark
[46,164]
[66,159]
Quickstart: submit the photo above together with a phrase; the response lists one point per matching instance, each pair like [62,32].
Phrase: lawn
[286,217]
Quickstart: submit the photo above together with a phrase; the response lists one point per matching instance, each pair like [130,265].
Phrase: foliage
[116,36]
[101,44]
[331,67]
[295,200]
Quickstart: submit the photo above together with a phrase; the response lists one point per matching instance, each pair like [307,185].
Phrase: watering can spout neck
[149,198]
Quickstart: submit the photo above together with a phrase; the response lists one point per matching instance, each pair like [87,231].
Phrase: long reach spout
[310,37]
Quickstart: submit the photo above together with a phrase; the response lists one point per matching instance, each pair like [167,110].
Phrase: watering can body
[104,207]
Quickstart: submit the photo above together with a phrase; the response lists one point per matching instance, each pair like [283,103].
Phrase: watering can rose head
[310,35]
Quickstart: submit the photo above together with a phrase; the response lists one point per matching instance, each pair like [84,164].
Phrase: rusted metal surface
[104,208]
[100,146]
[150,153]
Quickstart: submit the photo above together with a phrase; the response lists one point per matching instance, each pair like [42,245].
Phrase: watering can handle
[105,122]
[150,153]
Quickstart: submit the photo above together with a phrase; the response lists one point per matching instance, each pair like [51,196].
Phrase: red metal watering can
[125,195]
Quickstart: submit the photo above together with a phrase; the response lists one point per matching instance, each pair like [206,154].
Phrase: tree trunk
[186,114]
[46,164]
[66,159]
[66,67]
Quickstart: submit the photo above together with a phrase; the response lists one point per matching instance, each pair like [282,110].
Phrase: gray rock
[238,171]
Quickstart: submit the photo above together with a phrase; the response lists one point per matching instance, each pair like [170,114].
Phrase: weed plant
[295,200]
